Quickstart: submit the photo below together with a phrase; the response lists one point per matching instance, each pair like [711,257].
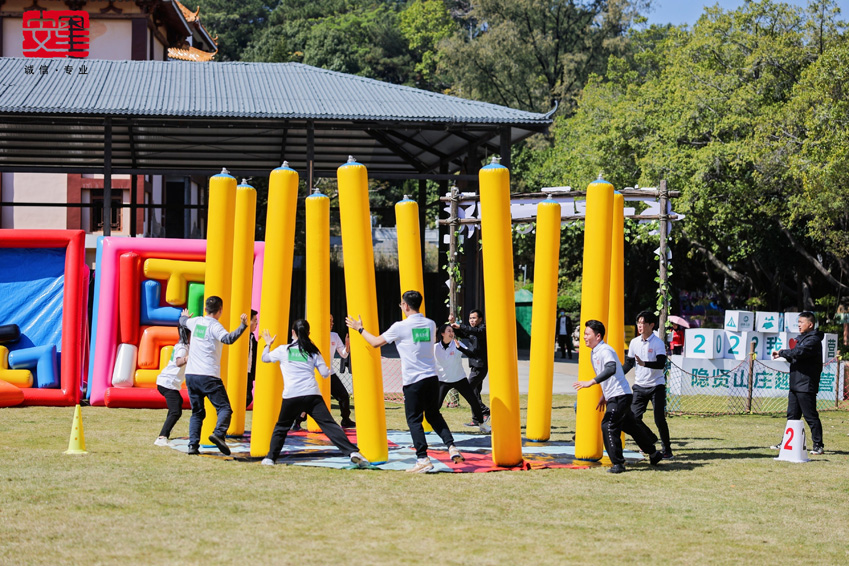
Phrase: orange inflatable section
[153,339]
[147,377]
[10,395]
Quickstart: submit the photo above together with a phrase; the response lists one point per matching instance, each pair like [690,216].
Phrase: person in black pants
[249,397]
[563,334]
[647,353]
[805,370]
[169,382]
[337,389]
[203,372]
[414,337]
[299,361]
[475,334]
[616,395]
[449,368]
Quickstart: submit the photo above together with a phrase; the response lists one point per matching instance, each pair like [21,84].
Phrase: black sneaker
[655,458]
[193,450]
[616,469]
[296,427]
[347,423]
[667,453]
[472,423]
[818,450]
[219,442]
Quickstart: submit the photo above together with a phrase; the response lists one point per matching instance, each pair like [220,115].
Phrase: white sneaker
[486,425]
[455,455]
[267,462]
[423,465]
[359,460]
[161,441]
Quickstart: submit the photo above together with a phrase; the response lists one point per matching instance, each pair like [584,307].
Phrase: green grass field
[723,500]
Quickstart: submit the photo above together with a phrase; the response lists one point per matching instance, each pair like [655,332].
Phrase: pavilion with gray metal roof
[187,118]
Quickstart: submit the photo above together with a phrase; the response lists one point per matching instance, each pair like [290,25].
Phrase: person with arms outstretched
[299,360]
[414,337]
[203,371]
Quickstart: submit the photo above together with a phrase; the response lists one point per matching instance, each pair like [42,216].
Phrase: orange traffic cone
[77,443]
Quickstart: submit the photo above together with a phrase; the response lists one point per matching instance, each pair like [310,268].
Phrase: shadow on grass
[739,453]
[667,466]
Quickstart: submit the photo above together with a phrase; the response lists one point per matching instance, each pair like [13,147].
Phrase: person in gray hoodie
[805,368]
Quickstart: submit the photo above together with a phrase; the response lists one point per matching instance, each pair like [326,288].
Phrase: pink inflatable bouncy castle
[140,288]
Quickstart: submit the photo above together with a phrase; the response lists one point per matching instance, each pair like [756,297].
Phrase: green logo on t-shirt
[200,330]
[421,335]
[297,355]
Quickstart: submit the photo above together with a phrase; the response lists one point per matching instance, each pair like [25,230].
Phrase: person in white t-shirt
[414,337]
[449,368]
[647,353]
[616,394]
[337,389]
[169,382]
[299,361]
[203,371]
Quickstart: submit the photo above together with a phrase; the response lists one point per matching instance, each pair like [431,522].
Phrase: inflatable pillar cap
[793,443]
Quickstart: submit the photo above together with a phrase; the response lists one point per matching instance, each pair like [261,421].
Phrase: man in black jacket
[249,397]
[475,335]
[805,369]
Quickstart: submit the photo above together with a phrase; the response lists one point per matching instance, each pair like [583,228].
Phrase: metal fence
[751,387]
[748,388]
[392,383]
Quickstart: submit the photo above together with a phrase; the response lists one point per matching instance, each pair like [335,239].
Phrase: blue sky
[688,11]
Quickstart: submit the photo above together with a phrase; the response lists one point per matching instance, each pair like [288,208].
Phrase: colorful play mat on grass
[314,449]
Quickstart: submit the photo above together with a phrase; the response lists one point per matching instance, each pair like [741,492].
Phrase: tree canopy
[746,113]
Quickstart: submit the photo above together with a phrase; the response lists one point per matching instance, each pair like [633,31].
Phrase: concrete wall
[32,187]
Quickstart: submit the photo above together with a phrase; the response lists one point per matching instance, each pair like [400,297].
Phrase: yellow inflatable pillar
[615,326]
[361,293]
[543,320]
[318,286]
[502,351]
[410,266]
[595,294]
[274,301]
[219,267]
[240,302]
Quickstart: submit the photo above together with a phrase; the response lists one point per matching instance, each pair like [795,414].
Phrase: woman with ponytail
[298,361]
[169,382]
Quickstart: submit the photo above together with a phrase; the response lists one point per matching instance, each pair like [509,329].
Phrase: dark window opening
[97,211]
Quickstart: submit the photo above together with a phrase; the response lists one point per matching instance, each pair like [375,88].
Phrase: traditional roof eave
[190,54]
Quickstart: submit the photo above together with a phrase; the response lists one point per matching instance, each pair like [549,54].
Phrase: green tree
[808,143]
[235,24]
[530,53]
[357,37]
[424,24]
[695,107]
